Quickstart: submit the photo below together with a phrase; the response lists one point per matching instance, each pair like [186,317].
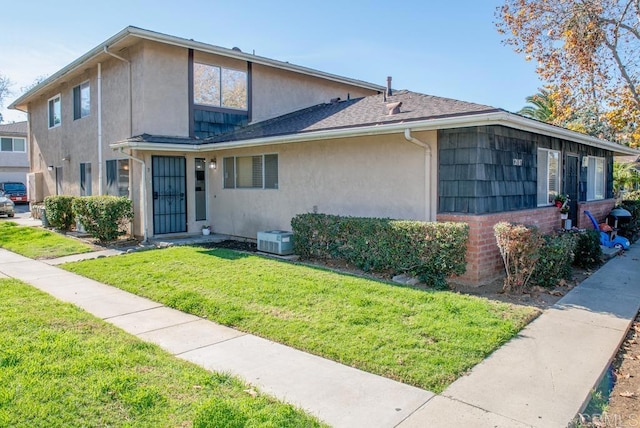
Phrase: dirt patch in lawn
[540,297]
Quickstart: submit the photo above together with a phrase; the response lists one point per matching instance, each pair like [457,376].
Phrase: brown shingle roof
[17,128]
[355,113]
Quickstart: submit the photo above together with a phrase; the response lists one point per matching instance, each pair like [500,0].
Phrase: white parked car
[6,205]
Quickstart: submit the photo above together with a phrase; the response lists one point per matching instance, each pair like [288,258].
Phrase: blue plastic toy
[605,239]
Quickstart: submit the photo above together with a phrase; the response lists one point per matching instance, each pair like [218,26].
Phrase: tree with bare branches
[5,83]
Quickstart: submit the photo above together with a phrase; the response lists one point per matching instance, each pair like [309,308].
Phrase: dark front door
[169,194]
[571,185]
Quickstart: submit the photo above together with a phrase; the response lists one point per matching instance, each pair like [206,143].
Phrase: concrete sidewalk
[544,376]
[541,378]
[340,395]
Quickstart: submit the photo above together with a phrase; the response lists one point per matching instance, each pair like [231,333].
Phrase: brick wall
[599,209]
[484,263]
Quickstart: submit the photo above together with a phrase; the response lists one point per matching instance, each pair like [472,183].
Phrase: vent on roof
[334,100]
[235,48]
[389,91]
[393,108]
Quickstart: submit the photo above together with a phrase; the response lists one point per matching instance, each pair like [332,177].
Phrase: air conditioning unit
[276,242]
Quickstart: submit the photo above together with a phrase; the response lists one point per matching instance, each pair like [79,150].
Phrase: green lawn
[61,367]
[37,243]
[419,337]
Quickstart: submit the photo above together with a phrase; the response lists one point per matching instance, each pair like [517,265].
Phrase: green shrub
[430,251]
[59,211]
[588,253]
[104,217]
[520,250]
[554,259]
[630,229]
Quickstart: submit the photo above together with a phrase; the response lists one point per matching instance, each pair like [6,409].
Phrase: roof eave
[21,102]
[483,119]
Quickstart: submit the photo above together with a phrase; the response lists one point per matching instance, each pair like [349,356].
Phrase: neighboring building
[244,143]
[14,160]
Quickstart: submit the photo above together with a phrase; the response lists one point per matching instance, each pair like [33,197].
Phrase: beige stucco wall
[160,84]
[381,176]
[76,141]
[277,92]
[149,92]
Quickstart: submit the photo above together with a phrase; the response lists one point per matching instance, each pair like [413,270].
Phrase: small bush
[588,253]
[430,251]
[104,217]
[554,259]
[59,211]
[520,250]
[630,229]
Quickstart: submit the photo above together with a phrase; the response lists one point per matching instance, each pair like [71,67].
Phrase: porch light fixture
[50,168]
[213,164]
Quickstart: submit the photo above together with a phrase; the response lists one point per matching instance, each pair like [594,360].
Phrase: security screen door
[169,194]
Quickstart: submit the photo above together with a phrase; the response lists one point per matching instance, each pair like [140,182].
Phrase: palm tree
[542,108]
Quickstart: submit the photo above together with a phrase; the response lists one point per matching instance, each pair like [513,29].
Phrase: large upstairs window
[219,87]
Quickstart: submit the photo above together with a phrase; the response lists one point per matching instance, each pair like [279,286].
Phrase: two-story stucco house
[14,159]
[197,134]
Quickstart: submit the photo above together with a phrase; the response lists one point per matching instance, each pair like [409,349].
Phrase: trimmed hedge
[104,217]
[430,251]
[59,211]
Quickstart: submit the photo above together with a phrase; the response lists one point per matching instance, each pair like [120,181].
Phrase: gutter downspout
[143,193]
[427,171]
[100,185]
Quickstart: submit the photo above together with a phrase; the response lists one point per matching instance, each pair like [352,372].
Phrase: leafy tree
[588,49]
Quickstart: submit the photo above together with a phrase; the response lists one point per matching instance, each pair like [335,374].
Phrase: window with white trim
[54,113]
[219,87]
[596,179]
[548,176]
[251,172]
[81,100]
[16,145]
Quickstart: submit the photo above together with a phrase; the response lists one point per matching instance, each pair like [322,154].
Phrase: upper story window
[81,100]
[16,145]
[595,178]
[219,87]
[548,176]
[54,112]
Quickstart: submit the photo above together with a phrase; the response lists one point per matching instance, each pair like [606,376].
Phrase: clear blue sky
[445,48]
